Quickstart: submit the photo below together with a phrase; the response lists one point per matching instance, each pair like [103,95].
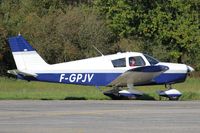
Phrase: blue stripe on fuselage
[98,79]
[101,79]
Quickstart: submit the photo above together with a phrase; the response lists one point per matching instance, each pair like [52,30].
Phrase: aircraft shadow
[75,98]
[46,99]
[67,98]
[145,97]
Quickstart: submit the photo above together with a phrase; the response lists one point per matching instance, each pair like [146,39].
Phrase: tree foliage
[172,25]
[67,30]
[6,60]
[58,31]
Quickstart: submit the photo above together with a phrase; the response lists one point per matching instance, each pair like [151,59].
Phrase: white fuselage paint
[174,67]
[80,70]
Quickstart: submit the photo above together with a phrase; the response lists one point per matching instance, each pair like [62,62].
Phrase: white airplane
[117,70]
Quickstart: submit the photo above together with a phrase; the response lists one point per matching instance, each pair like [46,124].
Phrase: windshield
[151,60]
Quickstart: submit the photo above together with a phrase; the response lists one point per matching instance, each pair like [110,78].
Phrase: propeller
[190,69]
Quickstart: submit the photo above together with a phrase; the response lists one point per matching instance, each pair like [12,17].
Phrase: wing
[139,75]
[24,73]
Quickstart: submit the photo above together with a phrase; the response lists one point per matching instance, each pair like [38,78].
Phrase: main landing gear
[117,93]
[170,93]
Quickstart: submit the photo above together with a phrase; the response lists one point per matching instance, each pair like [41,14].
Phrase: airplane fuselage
[100,71]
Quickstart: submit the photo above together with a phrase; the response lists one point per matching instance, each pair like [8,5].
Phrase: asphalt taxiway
[99,116]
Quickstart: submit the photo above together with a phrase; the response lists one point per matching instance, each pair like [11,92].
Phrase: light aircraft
[127,69]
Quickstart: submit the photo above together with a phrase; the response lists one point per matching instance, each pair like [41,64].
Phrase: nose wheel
[170,93]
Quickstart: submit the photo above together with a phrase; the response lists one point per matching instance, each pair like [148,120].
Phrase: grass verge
[17,89]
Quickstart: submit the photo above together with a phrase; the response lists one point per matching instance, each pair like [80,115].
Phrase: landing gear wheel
[117,94]
[174,98]
[170,93]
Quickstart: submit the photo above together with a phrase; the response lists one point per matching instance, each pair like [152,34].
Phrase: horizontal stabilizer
[24,73]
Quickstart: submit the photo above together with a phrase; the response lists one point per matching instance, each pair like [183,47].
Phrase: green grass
[17,89]
[190,89]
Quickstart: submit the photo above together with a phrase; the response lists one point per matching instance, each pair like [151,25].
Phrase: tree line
[65,30]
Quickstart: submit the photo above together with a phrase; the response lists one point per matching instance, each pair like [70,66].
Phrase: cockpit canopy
[131,61]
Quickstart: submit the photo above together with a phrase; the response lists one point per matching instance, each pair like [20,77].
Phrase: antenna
[97,50]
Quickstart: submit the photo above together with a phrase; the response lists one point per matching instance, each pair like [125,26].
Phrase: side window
[119,62]
[136,61]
